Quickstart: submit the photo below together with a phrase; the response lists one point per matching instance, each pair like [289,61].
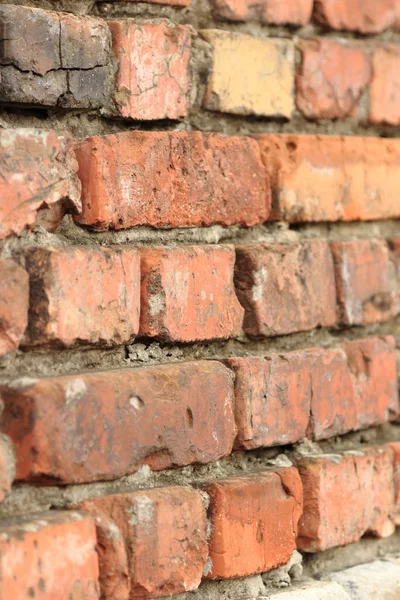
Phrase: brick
[153,79]
[38,169]
[49,555]
[253,522]
[153,415]
[332,178]
[83,295]
[365,281]
[187,294]
[363,16]
[362,480]
[250,76]
[152,542]
[395,446]
[267,11]
[385,86]
[7,466]
[280,287]
[14,303]
[331,78]
[54,59]
[128,180]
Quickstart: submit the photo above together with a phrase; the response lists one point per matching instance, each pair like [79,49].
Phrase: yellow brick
[250,76]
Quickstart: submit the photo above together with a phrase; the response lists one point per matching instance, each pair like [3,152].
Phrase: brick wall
[199,299]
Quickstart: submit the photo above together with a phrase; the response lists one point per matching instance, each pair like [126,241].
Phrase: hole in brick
[291,146]
[136,402]
[189,418]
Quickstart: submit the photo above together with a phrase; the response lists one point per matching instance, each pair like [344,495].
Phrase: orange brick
[14,303]
[37,169]
[188,294]
[395,446]
[332,178]
[280,287]
[384,104]
[345,496]
[364,16]
[83,295]
[153,77]
[267,11]
[331,78]
[254,522]
[128,180]
[153,415]
[365,281]
[7,466]
[50,556]
[153,542]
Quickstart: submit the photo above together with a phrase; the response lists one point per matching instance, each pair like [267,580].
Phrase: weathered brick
[250,76]
[364,16]
[174,179]
[266,11]
[253,522]
[151,543]
[362,480]
[332,178]
[280,287]
[14,303]
[49,555]
[187,294]
[331,78]
[53,59]
[365,281]
[395,446]
[7,467]
[105,425]
[384,106]
[38,169]
[153,77]
[83,295]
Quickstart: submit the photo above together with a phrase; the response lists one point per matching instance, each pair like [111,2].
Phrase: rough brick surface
[267,11]
[331,78]
[83,295]
[362,480]
[151,543]
[49,555]
[187,294]
[53,59]
[280,287]
[7,466]
[385,86]
[332,178]
[38,169]
[395,446]
[365,281]
[153,69]
[254,522]
[364,16]
[100,426]
[175,179]
[14,303]
[250,76]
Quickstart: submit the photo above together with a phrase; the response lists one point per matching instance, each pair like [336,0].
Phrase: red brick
[364,16]
[83,295]
[384,106]
[188,294]
[395,446]
[332,178]
[267,11]
[331,78]
[174,179]
[37,169]
[280,287]
[345,496]
[254,522]
[153,80]
[153,542]
[14,303]
[7,467]
[49,556]
[153,415]
[365,281]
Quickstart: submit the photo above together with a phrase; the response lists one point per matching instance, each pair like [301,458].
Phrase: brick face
[363,16]
[385,85]
[151,416]
[175,179]
[14,304]
[267,11]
